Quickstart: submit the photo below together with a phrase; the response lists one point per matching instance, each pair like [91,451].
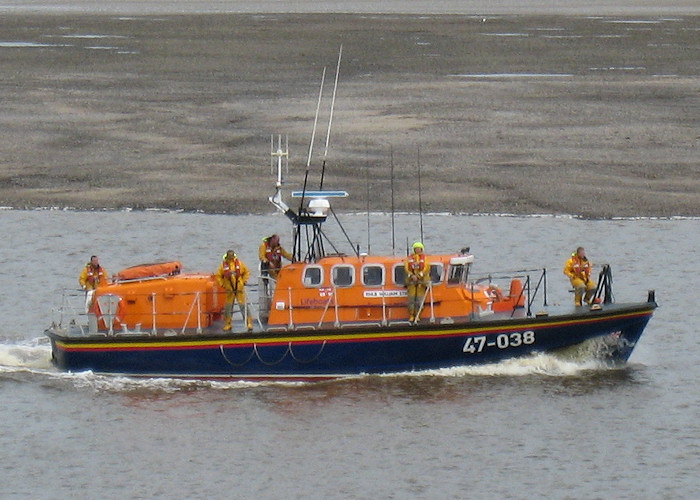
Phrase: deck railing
[75,304]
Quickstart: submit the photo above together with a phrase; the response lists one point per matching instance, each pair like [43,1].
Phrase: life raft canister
[153,270]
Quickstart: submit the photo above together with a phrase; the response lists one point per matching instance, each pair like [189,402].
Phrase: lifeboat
[331,315]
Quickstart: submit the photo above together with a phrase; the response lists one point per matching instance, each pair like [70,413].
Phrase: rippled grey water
[540,428]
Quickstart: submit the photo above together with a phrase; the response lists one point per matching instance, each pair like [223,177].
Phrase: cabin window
[458,274]
[313,276]
[343,275]
[399,275]
[436,273]
[373,275]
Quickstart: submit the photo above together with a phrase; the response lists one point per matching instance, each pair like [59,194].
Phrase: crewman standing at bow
[93,275]
[578,268]
[91,278]
[271,253]
[232,275]
[417,276]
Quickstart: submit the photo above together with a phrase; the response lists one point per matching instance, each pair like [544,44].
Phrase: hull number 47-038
[477,344]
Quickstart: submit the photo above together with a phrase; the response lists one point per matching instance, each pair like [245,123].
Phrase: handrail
[336,323]
[290,308]
[384,318]
[388,305]
[429,290]
[154,330]
[199,314]
[325,309]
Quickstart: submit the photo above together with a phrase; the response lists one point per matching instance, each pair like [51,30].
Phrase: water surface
[536,428]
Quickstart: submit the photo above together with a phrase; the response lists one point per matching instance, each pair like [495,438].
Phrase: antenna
[313,137]
[282,162]
[308,221]
[393,231]
[330,118]
[369,246]
[318,107]
[420,195]
[281,155]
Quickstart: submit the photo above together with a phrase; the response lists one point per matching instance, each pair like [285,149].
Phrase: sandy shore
[593,116]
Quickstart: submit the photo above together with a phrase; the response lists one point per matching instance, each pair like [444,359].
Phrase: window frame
[376,266]
[321,273]
[343,266]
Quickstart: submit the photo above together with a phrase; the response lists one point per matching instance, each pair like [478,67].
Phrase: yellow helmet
[418,244]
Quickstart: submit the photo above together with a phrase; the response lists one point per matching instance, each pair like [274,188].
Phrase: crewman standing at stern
[232,275]
[578,268]
[417,275]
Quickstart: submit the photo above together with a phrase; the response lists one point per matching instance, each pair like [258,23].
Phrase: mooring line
[255,350]
[223,353]
[306,361]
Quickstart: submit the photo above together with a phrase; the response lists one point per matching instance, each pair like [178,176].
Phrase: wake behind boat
[328,315]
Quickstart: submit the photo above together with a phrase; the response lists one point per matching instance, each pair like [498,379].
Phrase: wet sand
[592,116]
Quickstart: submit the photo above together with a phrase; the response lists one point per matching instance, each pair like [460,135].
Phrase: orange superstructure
[333,292]
[189,301]
[342,290]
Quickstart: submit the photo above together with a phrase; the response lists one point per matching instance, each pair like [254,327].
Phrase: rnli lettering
[377,294]
[475,345]
[312,302]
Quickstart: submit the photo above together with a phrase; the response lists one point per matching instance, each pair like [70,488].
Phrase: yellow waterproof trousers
[415,298]
[583,290]
[231,298]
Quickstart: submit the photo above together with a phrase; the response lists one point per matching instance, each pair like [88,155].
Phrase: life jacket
[416,263]
[95,276]
[234,271]
[273,255]
[581,267]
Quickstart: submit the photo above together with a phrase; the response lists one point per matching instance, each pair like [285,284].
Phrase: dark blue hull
[314,354]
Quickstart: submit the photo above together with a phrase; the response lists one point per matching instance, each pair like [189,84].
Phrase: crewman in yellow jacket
[578,268]
[232,275]
[93,275]
[271,253]
[417,278]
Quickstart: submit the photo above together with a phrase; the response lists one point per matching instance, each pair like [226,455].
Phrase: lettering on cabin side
[377,294]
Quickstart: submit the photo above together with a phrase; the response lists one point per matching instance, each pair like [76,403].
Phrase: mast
[308,234]
[330,117]
[393,229]
[420,195]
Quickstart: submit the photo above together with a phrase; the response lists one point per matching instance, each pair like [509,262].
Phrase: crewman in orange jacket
[232,275]
[578,268]
[271,253]
[417,278]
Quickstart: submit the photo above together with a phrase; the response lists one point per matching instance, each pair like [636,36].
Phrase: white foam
[34,355]
[539,364]
[22,45]
[512,75]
